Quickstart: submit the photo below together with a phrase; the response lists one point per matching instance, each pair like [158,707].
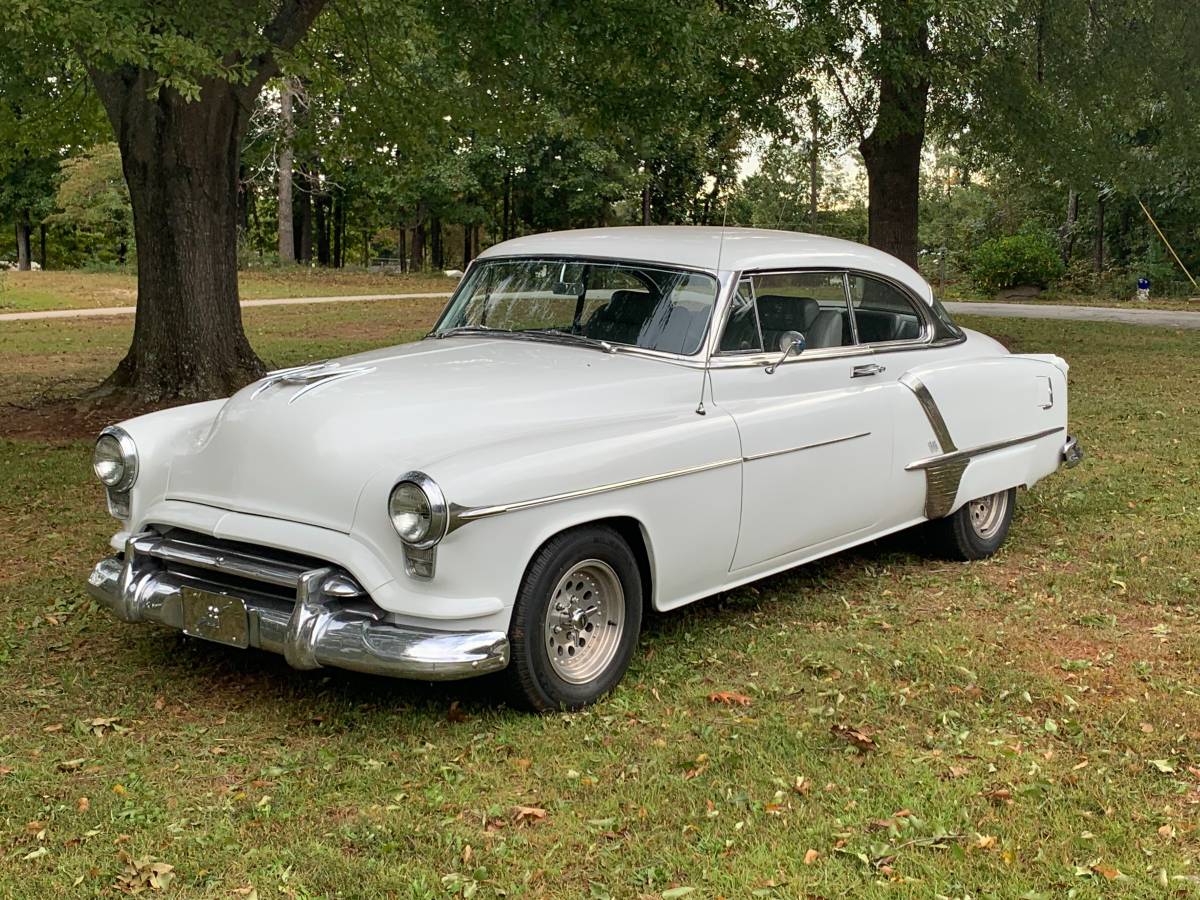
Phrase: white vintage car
[600,421]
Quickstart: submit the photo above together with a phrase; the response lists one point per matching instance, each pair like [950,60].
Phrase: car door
[816,430]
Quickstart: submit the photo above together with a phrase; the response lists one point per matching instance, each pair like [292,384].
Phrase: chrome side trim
[812,446]
[944,471]
[930,407]
[941,486]
[461,515]
[971,452]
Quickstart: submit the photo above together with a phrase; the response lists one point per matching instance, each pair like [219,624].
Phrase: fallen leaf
[985,841]
[1107,871]
[810,857]
[159,702]
[144,872]
[1146,727]
[957,771]
[455,713]
[858,737]
[527,815]
[729,698]
[998,796]
[1166,831]
[1163,766]
[677,892]
[83,804]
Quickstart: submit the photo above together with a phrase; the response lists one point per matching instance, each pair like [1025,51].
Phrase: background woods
[406,137]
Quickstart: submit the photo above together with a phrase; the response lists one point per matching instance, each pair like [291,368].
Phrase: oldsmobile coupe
[601,422]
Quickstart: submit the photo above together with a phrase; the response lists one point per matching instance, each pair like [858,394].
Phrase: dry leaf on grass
[527,815]
[859,738]
[142,874]
[729,698]
[810,857]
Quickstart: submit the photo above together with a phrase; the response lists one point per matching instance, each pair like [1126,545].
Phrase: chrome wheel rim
[986,514]
[585,620]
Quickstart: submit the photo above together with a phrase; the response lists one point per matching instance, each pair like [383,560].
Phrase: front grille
[233,566]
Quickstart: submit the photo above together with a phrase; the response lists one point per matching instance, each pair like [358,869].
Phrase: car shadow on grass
[202,674]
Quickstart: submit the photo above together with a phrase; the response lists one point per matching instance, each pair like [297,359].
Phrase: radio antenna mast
[700,410]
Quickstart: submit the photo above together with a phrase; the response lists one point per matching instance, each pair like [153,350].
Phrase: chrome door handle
[869,369]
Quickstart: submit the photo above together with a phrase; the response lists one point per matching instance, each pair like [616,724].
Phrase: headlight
[417,509]
[115,459]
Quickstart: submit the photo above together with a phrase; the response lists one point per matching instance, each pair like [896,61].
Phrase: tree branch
[285,30]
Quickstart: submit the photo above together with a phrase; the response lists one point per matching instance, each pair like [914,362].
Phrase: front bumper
[330,622]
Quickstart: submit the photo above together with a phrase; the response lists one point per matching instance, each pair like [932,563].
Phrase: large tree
[177,82]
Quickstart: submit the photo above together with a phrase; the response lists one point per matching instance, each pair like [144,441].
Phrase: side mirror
[791,343]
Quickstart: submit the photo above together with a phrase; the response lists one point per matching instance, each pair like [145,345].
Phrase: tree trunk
[287,241]
[435,243]
[892,151]
[646,205]
[181,161]
[402,248]
[24,255]
[304,222]
[42,245]
[1098,248]
[323,222]
[506,227]
[418,241]
[467,254]
[814,182]
[339,227]
[1067,236]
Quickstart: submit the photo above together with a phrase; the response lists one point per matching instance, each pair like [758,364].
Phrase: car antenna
[700,410]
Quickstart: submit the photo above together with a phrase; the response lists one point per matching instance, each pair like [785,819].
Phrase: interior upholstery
[621,319]
[625,319]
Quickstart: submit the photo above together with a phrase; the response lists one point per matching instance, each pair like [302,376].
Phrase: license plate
[215,617]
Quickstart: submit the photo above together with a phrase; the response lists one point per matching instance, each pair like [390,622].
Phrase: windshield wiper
[467,329]
[570,337]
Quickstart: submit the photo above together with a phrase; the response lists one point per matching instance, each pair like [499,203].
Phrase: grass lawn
[1035,718]
[32,291]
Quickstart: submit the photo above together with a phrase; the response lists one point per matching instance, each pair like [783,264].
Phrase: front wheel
[576,620]
[978,528]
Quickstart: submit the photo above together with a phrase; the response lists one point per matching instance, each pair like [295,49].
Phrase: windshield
[615,303]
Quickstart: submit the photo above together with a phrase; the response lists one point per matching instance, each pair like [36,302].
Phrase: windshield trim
[611,347]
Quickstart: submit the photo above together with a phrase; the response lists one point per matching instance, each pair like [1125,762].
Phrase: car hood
[302,444]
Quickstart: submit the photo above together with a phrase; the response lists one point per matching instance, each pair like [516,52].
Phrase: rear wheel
[576,620]
[978,528]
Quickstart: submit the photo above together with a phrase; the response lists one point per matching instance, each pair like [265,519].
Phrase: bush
[1016,261]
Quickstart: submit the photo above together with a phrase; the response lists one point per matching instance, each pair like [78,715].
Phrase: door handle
[869,369]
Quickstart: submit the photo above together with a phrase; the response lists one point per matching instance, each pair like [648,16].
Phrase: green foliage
[1017,260]
[92,198]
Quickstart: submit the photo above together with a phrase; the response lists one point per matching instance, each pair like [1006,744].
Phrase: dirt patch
[66,420]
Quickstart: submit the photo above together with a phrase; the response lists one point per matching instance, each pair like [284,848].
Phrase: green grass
[35,291]
[1035,715]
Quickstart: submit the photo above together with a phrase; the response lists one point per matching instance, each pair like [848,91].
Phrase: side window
[741,328]
[883,312]
[812,303]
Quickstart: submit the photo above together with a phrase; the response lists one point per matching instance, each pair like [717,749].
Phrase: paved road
[1162,318]
[1132,316]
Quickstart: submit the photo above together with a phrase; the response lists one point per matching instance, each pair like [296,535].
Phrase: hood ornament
[310,376]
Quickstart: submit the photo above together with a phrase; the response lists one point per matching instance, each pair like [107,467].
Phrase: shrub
[1016,261]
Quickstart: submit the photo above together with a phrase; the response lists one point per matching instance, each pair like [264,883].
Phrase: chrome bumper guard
[1072,453]
[331,622]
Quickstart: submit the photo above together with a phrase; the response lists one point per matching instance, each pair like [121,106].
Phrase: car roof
[714,248]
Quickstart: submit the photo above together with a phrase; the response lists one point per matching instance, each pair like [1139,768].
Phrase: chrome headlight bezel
[127,450]
[439,512]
